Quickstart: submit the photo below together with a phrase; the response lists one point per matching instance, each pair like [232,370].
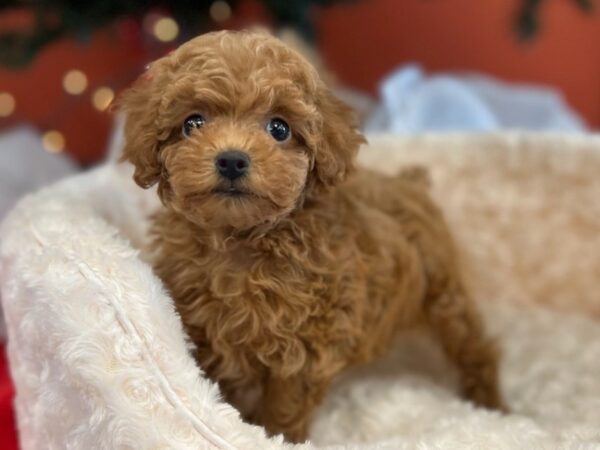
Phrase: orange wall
[363,42]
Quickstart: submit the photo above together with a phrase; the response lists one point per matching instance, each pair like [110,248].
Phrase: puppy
[285,263]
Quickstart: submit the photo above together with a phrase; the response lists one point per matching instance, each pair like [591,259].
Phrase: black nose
[232,164]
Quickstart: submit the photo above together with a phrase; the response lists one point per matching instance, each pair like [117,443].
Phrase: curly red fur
[308,271]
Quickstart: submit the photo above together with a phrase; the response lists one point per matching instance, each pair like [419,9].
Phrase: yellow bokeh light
[75,82]
[102,98]
[165,29]
[220,11]
[53,141]
[7,104]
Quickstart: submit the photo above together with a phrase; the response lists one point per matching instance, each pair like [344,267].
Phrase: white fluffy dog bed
[100,360]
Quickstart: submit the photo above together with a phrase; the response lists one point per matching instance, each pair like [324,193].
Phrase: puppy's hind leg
[456,322]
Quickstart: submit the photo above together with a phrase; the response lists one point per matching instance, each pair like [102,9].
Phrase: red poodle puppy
[286,263]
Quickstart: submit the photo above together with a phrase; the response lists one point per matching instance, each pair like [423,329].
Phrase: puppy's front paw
[488,397]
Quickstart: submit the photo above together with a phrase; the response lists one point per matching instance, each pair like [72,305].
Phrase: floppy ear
[141,104]
[339,140]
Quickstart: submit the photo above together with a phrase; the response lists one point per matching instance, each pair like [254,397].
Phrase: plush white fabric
[100,360]
[24,168]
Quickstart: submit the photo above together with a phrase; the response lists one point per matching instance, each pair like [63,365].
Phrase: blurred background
[407,65]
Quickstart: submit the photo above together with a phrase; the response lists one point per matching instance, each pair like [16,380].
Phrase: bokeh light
[7,104]
[75,82]
[220,11]
[165,29]
[53,141]
[102,98]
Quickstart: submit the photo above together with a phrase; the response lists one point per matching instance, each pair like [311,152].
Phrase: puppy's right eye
[191,123]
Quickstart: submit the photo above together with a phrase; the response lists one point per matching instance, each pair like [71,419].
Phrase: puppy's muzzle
[232,164]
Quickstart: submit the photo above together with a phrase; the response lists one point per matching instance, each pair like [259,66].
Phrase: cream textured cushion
[100,359]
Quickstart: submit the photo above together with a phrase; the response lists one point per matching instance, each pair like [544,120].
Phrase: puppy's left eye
[191,123]
[279,129]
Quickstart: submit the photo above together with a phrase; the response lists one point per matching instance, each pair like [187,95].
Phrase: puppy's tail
[417,175]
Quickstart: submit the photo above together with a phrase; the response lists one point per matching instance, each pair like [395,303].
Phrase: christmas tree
[54,19]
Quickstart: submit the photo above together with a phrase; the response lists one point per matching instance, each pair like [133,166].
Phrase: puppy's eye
[191,123]
[279,129]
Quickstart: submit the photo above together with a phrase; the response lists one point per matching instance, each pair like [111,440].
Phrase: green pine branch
[529,22]
[80,18]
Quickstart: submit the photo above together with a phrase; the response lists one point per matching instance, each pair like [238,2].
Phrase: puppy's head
[237,129]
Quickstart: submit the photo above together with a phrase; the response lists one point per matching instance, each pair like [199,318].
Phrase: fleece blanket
[99,357]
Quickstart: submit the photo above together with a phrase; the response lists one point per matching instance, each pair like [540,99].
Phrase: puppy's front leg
[289,403]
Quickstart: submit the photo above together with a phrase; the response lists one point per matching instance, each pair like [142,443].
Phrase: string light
[165,29]
[7,104]
[75,82]
[102,98]
[53,141]
[220,11]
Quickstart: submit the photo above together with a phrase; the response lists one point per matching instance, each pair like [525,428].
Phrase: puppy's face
[237,129]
